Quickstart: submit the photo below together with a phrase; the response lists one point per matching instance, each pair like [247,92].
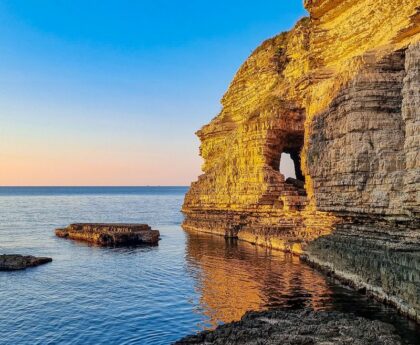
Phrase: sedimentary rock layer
[298,327]
[380,258]
[110,234]
[364,164]
[14,262]
[340,93]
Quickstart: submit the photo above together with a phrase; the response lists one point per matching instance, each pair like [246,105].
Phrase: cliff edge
[340,93]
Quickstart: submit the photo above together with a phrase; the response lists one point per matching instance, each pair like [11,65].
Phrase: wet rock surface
[382,260]
[298,328]
[14,262]
[104,234]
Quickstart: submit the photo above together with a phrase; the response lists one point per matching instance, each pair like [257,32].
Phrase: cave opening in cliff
[287,166]
[290,162]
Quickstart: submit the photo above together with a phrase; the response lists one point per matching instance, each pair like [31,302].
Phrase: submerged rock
[298,328]
[110,234]
[14,262]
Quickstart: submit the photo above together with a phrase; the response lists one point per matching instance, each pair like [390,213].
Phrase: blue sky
[111,92]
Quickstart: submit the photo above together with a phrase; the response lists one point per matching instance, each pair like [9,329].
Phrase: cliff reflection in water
[233,277]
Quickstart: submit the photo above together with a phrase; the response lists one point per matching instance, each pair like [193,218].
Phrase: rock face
[110,234]
[298,327]
[340,93]
[14,262]
[382,259]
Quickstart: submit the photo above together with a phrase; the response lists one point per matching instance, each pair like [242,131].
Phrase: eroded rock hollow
[340,93]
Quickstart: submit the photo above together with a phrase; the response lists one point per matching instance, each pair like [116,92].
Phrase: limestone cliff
[340,93]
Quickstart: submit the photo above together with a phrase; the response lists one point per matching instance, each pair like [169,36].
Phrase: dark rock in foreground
[16,262]
[110,234]
[303,327]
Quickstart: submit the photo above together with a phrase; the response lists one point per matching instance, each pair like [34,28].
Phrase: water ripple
[144,295]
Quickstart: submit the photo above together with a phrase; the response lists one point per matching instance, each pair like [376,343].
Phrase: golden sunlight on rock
[283,100]
[339,93]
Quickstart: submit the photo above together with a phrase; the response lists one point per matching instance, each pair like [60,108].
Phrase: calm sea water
[145,295]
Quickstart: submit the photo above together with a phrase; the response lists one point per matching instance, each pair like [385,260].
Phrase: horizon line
[90,186]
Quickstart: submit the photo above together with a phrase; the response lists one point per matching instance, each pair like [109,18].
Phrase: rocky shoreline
[298,328]
[15,262]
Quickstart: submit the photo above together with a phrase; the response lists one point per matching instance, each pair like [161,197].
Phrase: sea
[146,295]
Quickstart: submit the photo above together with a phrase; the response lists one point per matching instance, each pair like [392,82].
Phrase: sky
[111,92]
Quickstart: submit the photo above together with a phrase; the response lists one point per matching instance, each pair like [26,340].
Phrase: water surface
[145,295]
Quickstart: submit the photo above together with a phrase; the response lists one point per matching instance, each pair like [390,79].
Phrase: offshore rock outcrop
[340,93]
[15,262]
[104,234]
[298,327]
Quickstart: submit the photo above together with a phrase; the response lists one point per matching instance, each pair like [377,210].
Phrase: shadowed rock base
[298,328]
[16,262]
[110,234]
[381,259]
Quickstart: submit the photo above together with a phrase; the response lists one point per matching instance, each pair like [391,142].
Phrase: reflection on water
[236,277]
[233,277]
[144,295]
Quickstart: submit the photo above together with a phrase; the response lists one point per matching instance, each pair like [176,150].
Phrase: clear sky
[110,92]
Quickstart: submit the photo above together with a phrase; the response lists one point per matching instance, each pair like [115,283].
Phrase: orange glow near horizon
[49,166]
[100,99]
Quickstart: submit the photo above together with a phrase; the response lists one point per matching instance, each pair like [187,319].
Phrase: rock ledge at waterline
[14,262]
[105,234]
[298,328]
